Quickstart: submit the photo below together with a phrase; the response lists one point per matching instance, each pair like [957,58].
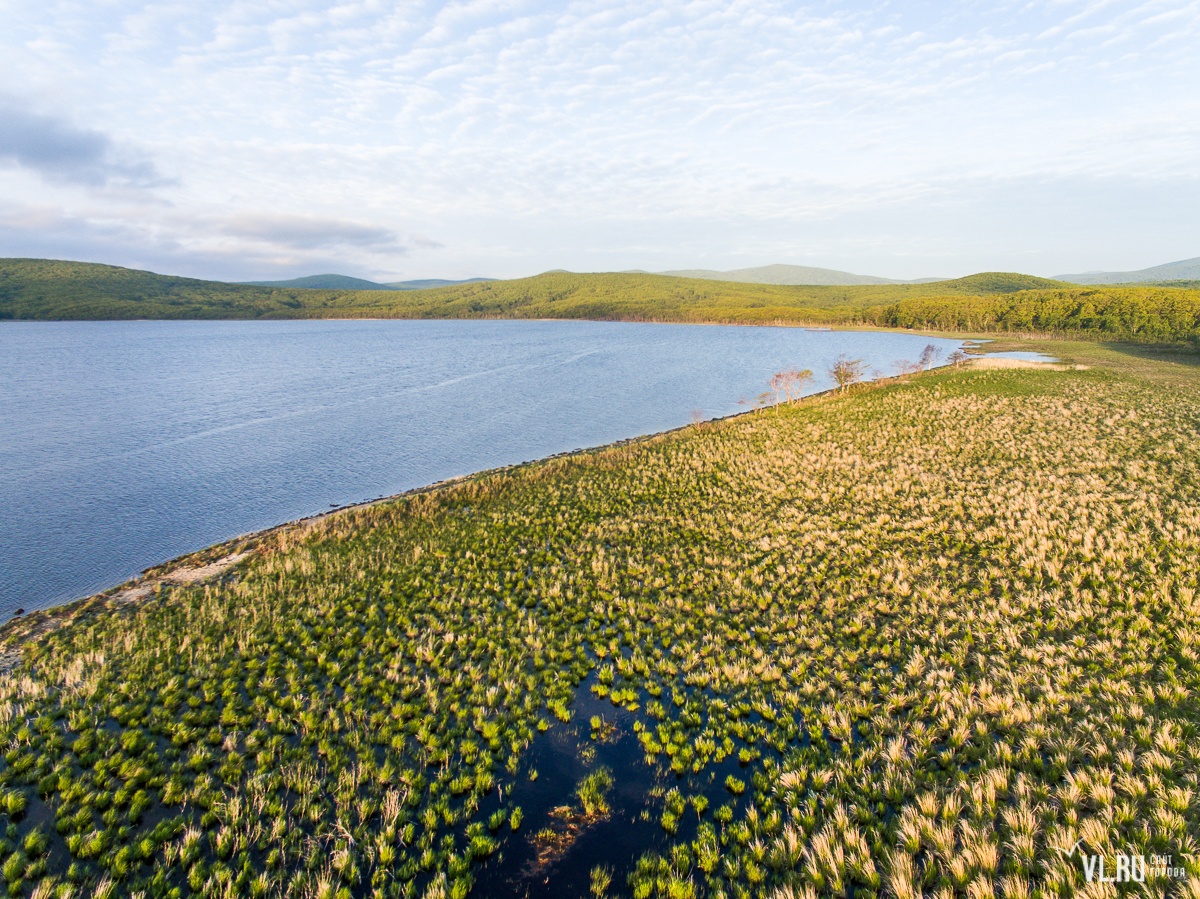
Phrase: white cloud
[309,232]
[58,151]
[483,124]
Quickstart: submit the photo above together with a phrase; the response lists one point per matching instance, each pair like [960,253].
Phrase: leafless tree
[796,384]
[957,358]
[930,355]
[781,384]
[789,384]
[846,371]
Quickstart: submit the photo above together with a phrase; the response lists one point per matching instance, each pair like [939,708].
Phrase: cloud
[61,152]
[310,233]
[531,135]
[175,243]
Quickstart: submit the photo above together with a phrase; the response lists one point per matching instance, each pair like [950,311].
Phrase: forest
[990,302]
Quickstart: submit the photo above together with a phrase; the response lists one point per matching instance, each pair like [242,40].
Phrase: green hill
[39,289]
[988,283]
[46,289]
[1154,314]
[326,282]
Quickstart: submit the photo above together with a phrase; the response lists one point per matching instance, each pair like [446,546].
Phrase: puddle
[565,754]
[1023,356]
[1020,355]
[562,757]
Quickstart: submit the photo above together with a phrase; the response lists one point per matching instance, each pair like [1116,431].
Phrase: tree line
[990,302]
[1152,314]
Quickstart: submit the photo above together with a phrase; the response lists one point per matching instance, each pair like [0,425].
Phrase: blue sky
[389,140]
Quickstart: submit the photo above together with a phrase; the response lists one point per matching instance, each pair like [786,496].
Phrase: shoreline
[213,561]
[210,562]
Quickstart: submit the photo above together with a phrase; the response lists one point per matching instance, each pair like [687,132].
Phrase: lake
[124,444]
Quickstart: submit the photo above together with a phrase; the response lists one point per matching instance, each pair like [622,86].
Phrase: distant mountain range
[345,282]
[790,274]
[764,274]
[1185,270]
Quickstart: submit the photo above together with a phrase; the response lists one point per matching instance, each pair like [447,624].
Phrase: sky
[397,140]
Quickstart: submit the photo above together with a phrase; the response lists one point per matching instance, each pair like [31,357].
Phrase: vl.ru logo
[1126,867]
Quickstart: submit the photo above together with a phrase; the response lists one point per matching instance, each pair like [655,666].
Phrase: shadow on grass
[1177,354]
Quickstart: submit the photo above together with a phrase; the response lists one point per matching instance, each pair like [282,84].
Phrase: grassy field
[920,638]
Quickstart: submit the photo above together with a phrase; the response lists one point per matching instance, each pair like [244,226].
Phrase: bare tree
[781,384]
[697,418]
[798,380]
[846,371]
[957,358]
[789,384]
[930,355]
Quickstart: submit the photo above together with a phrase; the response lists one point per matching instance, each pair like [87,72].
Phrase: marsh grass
[568,822]
[933,630]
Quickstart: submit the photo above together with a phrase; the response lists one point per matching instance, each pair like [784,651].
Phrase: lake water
[123,444]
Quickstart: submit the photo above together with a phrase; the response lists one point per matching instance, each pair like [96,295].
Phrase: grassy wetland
[918,638]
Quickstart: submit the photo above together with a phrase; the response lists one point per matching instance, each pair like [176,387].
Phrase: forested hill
[47,290]
[38,289]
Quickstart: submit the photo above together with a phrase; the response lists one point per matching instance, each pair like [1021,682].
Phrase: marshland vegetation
[899,640]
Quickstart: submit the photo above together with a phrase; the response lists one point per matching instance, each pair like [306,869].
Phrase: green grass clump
[592,792]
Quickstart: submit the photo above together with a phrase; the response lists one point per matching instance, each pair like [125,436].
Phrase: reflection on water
[562,756]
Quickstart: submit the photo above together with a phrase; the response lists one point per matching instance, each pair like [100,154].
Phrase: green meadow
[914,638]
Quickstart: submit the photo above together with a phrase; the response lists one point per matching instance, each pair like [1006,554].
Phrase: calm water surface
[123,444]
